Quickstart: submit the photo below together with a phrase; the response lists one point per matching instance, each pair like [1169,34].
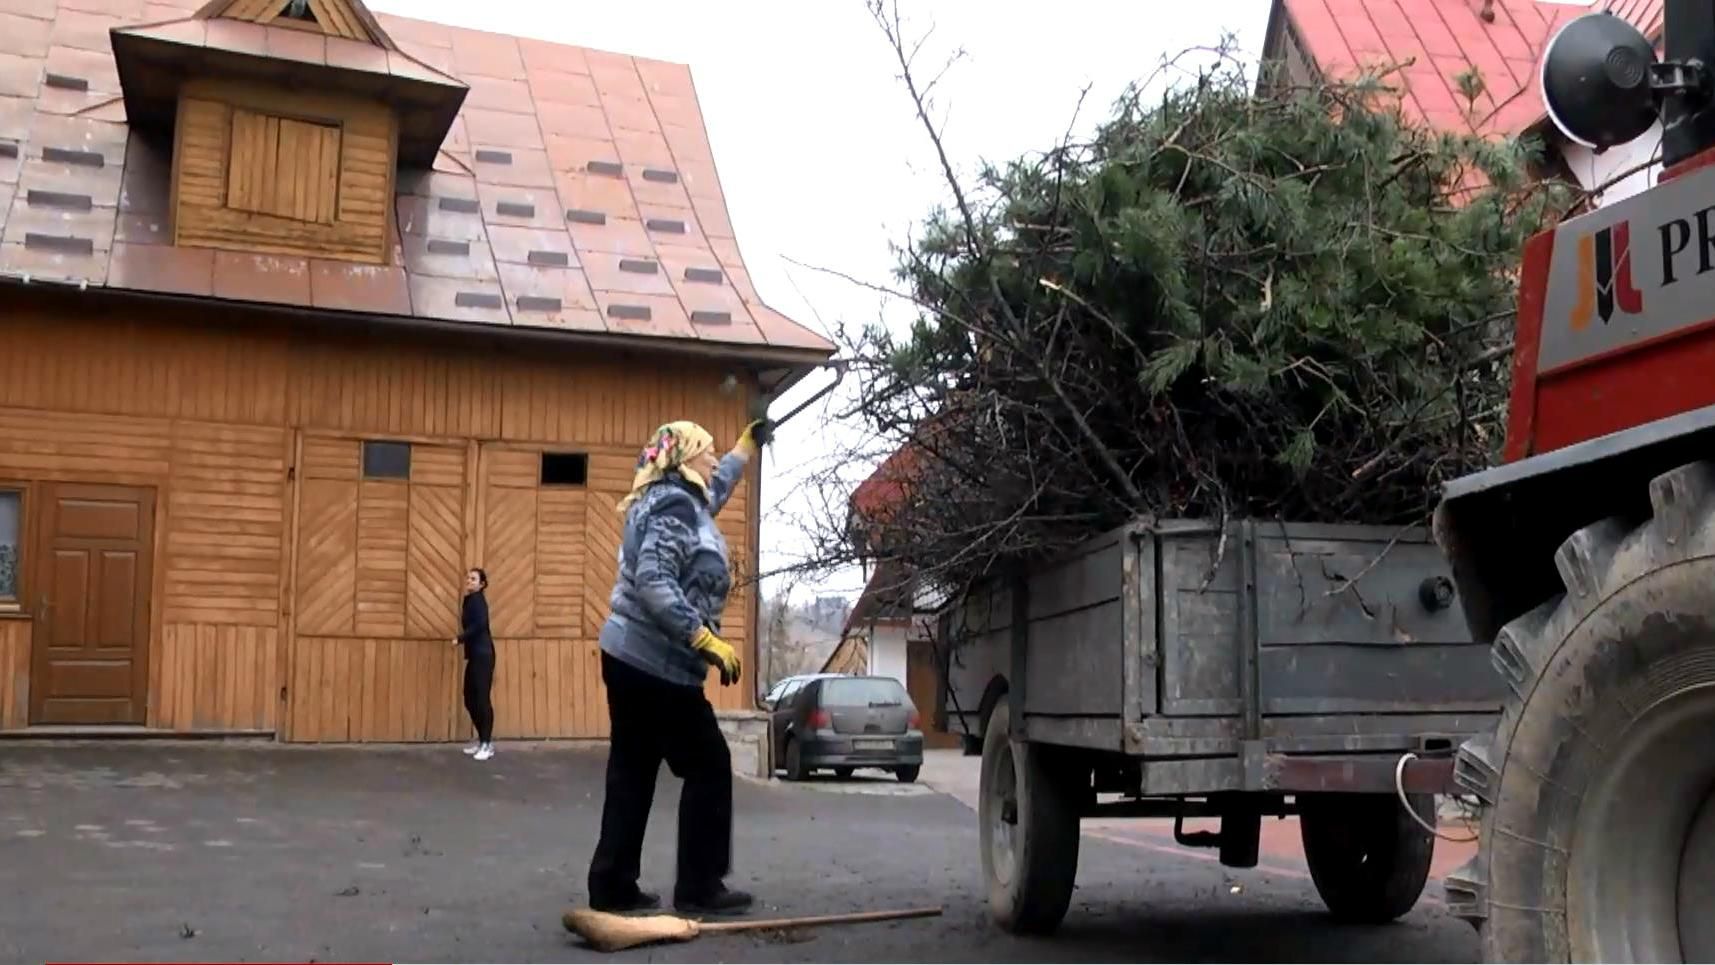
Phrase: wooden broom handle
[807,920]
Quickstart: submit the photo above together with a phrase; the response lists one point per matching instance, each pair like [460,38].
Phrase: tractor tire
[1027,814]
[1368,858]
[1598,835]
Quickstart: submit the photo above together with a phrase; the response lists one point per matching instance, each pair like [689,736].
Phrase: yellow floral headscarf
[674,445]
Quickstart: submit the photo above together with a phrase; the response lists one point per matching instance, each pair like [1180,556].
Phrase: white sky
[820,153]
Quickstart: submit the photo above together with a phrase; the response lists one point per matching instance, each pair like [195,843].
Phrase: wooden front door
[91,583]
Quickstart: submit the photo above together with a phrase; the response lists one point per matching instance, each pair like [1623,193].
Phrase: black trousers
[478,686]
[654,721]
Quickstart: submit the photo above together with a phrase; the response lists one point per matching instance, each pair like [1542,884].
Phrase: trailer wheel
[1368,858]
[1028,818]
[1598,838]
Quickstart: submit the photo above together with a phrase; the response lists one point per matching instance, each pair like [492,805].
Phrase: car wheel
[795,769]
[908,775]
[843,773]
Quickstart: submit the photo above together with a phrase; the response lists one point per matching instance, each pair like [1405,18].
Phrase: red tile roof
[1441,39]
[575,191]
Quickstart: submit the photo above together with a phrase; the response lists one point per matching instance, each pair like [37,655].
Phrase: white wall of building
[887,652]
[1592,169]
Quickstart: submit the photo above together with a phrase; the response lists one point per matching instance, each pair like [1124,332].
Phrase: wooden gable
[333,18]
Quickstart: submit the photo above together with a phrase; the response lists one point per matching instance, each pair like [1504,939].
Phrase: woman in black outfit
[478,663]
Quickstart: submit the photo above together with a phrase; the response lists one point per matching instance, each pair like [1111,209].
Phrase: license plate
[872,745]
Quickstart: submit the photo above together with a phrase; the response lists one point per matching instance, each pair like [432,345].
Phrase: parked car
[841,723]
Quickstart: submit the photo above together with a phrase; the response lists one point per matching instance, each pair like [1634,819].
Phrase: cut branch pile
[1291,306]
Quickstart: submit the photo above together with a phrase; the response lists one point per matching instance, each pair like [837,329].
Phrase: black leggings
[478,681]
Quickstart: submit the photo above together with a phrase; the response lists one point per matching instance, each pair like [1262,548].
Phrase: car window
[791,691]
[862,692]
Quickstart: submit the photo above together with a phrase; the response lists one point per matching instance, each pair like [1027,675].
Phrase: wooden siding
[215,678]
[14,673]
[278,565]
[410,690]
[226,524]
[257,169]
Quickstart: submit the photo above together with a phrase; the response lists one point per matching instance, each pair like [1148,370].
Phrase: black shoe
[720,901]
[638,900]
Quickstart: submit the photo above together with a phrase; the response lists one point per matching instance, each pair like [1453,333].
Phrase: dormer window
[289,129]
[302,174]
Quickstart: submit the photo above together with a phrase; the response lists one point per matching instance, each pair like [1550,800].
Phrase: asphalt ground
[181,852]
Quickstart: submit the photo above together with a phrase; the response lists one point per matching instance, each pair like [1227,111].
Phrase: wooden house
[303,311]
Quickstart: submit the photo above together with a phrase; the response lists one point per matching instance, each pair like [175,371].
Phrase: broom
[608,932]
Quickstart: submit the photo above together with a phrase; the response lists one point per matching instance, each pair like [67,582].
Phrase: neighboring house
[306,311]
[1470,66]
[891,633]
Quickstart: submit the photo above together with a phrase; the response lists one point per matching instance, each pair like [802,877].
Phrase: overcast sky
[820,154]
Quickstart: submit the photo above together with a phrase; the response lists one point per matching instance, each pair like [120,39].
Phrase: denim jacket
[673,576]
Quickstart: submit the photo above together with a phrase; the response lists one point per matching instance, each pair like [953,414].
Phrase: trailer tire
[1368,858]
[1598,836]
[1028,818]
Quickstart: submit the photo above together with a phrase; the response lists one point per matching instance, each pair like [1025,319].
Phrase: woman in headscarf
[659,641]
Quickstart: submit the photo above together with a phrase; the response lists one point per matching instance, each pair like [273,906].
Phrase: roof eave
[753,356]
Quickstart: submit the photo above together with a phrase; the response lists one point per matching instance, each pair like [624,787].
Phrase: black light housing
[1601,82]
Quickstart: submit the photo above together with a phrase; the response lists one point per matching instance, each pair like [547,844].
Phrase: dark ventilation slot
[439,246]
[565,469]
[710,275]
[637,313]
[640,266]
[459,205]
[612,169]
[56,199]
[580,216]
[515,209]
[65,82]
[660,176]
[67,244]
[8,148]
[711,318]
[555,259]
[539,303]
[386,460]
[478,300]
[65,155]
[494,157]
[665,226]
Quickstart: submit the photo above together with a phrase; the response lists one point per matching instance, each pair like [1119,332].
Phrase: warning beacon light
[1604,86]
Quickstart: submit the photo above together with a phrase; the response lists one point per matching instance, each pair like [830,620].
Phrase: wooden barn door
[91,640]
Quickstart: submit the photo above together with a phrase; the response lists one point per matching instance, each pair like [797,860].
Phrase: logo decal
[1605,277]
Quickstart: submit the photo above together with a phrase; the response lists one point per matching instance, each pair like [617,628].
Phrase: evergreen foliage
[1292,306]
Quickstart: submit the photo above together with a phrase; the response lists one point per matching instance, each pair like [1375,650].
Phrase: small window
[386,460]
[565,468]
[11,533]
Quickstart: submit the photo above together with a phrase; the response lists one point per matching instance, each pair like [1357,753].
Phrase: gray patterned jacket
[673,576]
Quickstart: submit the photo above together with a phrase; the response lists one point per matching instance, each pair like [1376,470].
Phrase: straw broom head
[609,932]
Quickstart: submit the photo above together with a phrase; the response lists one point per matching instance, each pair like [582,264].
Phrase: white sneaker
[484,752]
[472,749]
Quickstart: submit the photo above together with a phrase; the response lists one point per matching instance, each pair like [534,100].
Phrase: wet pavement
[206,852]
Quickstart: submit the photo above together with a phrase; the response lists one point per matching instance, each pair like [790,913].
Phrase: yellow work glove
[755,436]
[719,653]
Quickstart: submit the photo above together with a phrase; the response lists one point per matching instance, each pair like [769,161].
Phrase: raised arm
[669,536]
[731,468]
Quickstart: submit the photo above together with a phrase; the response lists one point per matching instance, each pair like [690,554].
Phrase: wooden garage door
[91,637]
